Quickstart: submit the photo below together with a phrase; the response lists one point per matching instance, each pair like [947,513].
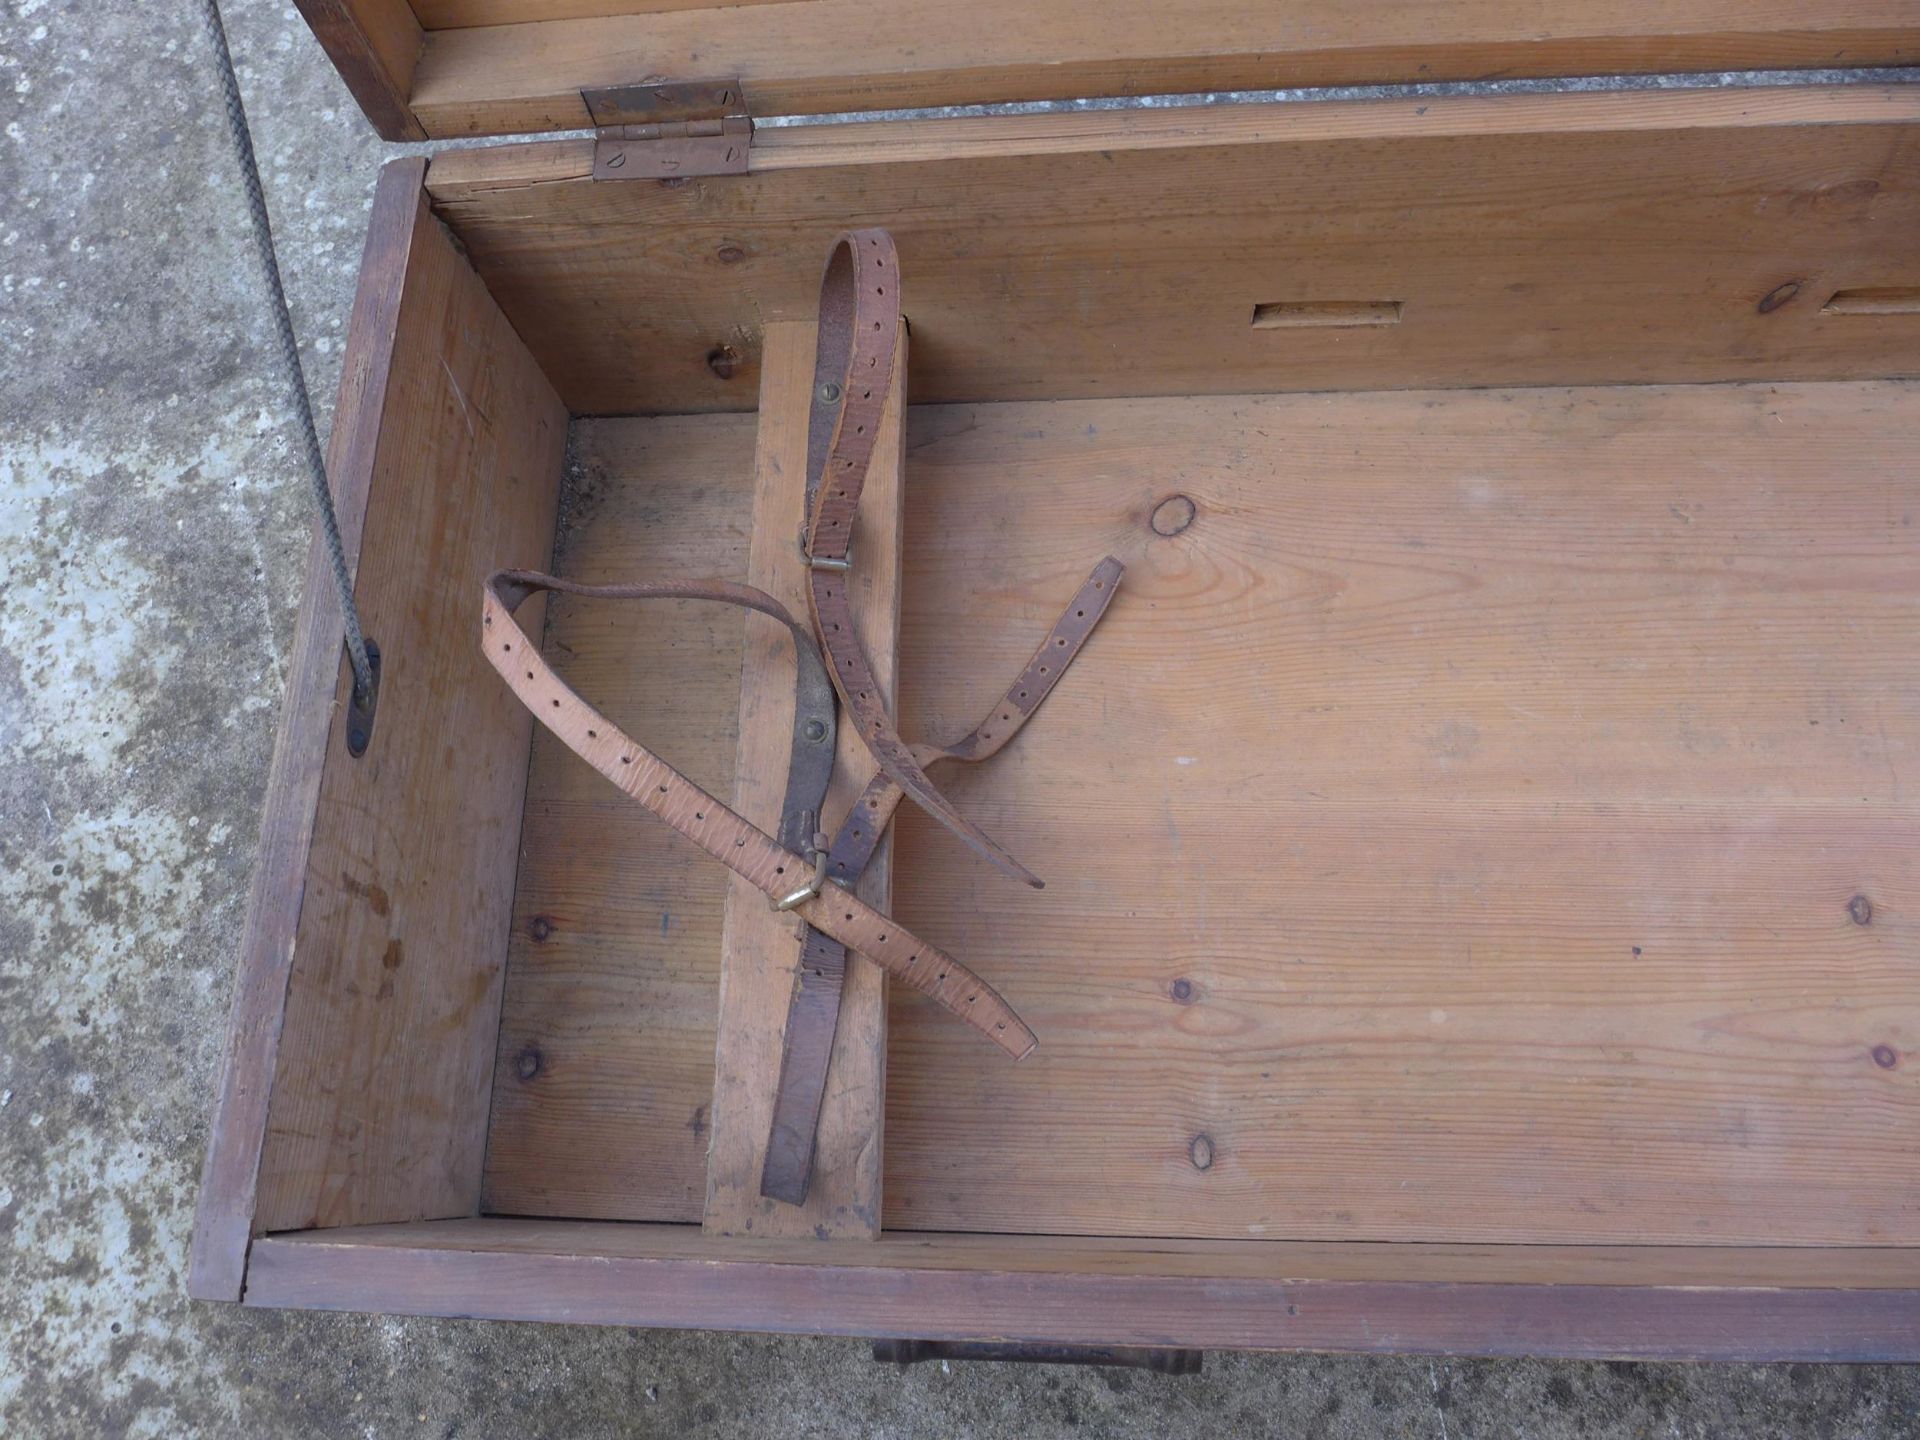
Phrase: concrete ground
[152,535]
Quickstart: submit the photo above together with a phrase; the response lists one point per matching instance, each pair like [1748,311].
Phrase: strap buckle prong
[814,886]
[824,562]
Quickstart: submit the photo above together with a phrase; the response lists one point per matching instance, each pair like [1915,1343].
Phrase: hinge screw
[616,160]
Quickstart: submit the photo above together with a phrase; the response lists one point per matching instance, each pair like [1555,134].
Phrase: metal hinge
[667,131]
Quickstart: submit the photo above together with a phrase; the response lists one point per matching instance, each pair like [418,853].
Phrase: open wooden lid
[442,68]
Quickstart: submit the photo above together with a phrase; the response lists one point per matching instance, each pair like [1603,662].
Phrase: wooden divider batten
[759,949]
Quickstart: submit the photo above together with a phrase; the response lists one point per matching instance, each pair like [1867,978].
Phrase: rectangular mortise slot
[1325,314]
[1889,300]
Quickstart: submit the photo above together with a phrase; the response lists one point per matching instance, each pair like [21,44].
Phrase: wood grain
[464,14]
[1450,834]
[1533,671]
[759,949]
[1633,1302]
[223,1217]
[379,1107]
[1769,1267]
[842,55]
[604,1076]
[375,45]
[1530,240]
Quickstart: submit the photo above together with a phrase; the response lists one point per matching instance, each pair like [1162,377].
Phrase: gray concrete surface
[152,531]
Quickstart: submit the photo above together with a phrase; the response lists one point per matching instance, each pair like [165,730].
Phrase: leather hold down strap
[853,368]
[760,859]
[813,1013]
[859,833]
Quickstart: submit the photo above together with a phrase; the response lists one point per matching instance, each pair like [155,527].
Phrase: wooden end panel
[375,45]
[224,1217]
[1575,1302]
[759,949]
[380,1096]
[846,55]
[1525,240]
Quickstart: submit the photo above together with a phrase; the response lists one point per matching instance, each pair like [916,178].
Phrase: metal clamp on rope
[814,886]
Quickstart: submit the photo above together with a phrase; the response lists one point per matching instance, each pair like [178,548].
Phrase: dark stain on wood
[377,899]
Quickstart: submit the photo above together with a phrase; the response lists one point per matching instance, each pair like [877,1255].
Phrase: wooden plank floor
[604,1074]
[1453,833]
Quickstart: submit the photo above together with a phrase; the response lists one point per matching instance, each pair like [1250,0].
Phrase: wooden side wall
[223,1220]
[1525,240]
[380,1091]
[480,72]
[1616,1302]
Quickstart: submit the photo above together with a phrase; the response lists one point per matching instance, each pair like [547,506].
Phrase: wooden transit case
[1482,857]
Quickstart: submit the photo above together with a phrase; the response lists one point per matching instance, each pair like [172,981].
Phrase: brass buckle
[814,886]
[824,562]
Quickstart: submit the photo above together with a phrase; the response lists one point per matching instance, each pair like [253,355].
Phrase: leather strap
[859,833]
[813,1014]
[743,848]
[810,765]
[853,368]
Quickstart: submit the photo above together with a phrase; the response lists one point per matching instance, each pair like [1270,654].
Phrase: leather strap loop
[742,847]
[854,359]
[860,831]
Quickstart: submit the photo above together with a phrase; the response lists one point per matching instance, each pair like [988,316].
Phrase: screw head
[830,393]
[815,730]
